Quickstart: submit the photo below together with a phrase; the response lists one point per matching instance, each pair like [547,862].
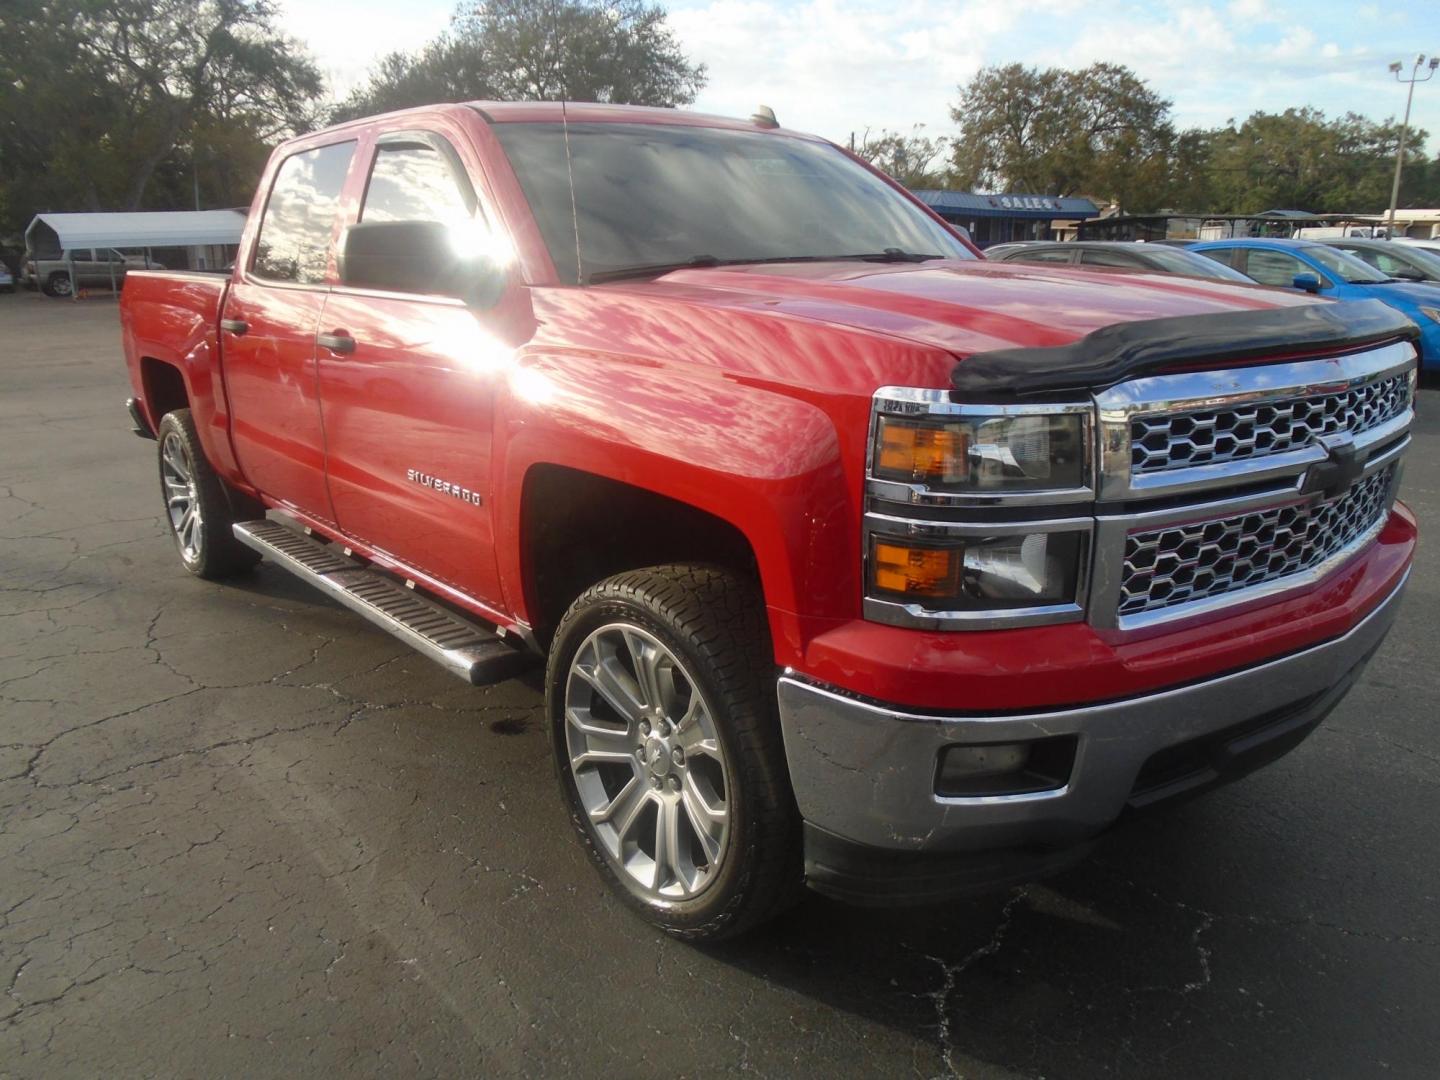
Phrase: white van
[1339,232]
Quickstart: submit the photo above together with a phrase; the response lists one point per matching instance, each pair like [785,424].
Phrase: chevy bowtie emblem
[1341,468]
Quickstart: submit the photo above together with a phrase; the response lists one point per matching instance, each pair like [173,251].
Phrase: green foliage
[1299,159]
[618,51]
[1101,132]
[1061,132]
[915,160]
[121,104]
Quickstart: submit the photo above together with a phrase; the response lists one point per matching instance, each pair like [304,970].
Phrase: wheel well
[578,528]
[164,387]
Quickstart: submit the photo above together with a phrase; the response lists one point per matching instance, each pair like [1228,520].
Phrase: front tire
[58,284]
[199,507]
[661,695]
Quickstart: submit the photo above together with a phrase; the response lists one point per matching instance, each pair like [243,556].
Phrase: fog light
[1014,768]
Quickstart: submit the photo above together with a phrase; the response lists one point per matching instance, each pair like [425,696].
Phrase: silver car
[93,266]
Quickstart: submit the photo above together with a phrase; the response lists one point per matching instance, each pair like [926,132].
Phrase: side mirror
[424,257]
[1307,282]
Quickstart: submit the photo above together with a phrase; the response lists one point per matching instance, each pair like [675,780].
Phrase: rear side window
[294,242]
[414,182]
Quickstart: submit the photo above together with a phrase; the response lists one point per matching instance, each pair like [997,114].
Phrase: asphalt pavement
[244,833]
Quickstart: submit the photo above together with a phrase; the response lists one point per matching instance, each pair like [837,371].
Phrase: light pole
[1415,76]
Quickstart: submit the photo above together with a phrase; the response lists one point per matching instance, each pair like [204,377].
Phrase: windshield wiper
[656,269]
[651,268]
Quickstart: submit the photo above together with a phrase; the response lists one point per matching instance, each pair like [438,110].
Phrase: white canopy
[169,228]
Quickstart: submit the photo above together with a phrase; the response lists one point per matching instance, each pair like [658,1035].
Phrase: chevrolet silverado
[854,561]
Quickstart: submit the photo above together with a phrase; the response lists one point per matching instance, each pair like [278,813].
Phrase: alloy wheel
[182,499]
[647,762]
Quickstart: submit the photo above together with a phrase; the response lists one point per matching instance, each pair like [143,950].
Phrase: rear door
[408,403]
[268,326]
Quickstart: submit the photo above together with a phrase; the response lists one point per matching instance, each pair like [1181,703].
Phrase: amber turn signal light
[915,453]
[916,571]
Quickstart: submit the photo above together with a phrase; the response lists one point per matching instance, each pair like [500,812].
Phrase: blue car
[1323,270]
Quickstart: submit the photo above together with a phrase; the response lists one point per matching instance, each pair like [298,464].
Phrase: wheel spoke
[667,845]
[175,458]
[650,662]
[615,686]
[692,730]
[601,745]
[624,809]
[709,824]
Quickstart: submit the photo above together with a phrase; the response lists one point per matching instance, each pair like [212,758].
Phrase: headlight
[979,573]
[984,454]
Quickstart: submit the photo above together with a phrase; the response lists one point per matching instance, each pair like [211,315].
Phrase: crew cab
[853,560]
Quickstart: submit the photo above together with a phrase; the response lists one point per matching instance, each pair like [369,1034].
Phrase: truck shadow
[1108,969]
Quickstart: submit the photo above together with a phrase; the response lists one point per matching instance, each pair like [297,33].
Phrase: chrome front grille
[1180,440]
[1197,560]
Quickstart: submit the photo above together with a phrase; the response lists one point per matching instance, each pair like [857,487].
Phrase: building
[999,219]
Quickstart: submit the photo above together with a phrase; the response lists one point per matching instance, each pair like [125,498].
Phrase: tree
[915,160]
[106,99]
[1299,159]
[1062,132]
[618,51]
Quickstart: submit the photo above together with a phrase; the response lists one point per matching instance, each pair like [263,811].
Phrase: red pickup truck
[855,561]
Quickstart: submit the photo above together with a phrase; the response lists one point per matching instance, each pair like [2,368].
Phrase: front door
[267,330]
[409,394]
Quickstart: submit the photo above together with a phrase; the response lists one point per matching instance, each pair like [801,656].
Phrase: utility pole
[1415,76]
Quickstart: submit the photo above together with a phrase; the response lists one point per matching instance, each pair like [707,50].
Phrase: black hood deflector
[1114,353]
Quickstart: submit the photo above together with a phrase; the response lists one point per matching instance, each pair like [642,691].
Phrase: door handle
[339,342]
[235,326]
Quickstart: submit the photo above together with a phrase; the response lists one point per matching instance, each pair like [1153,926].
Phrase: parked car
[93,266]
[1403,262]
[1324,271]
[851,559]
[1152,258]
[1431,244]
[7,280]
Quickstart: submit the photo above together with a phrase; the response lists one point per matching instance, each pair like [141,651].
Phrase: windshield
[1181,262]
[653,195]
[1345,266]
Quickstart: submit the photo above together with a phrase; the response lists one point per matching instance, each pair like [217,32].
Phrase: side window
[1044,255]
[414,182]
[294,241]
[1387,263]
[1274,267]
[1106,257]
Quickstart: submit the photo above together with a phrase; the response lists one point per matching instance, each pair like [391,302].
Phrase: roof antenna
[764,117]
[574,211]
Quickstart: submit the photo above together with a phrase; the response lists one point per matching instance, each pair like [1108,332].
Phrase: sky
[839,66]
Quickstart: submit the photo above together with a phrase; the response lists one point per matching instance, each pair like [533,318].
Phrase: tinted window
[1343,265]
[1109,257]
[1274,267]
[1192,263]
[414,182]
[294,242]
[650,194]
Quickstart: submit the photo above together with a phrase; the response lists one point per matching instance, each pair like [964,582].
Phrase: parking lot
[242,832]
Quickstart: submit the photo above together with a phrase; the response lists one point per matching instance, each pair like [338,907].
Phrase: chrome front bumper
[867,774]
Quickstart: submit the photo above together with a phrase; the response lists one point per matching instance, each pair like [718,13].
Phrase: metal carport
[147,229]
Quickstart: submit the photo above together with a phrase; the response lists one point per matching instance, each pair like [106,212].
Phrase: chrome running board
[470,651]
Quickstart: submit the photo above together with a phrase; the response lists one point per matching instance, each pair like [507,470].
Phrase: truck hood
[962,307]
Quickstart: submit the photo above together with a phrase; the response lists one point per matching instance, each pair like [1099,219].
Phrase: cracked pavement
[243,832]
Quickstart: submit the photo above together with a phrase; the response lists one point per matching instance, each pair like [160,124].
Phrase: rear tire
[661,694]
[58,284]
[199,507]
